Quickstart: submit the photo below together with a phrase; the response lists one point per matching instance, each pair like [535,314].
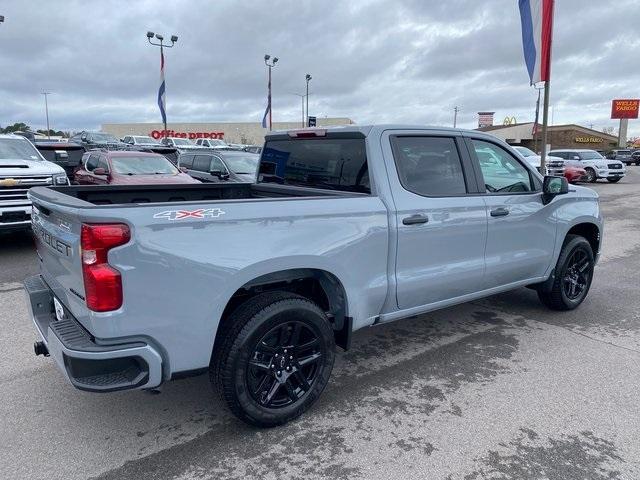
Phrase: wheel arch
[316,284]
[590,231]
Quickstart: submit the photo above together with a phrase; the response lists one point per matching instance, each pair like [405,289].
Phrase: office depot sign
[158,134]
[625,108]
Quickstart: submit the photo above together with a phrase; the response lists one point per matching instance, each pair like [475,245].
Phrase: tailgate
[57,237]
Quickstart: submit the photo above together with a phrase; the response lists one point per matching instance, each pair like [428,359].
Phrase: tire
[591,175]
[259,383]
[614,180]
[558,298]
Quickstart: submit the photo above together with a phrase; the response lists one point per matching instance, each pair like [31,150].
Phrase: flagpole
[547,87]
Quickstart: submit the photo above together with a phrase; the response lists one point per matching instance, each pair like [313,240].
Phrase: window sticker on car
[182,214]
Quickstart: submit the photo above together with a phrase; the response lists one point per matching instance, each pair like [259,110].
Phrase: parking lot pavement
[499,388]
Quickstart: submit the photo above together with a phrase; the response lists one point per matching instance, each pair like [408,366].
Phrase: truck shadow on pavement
[392,380]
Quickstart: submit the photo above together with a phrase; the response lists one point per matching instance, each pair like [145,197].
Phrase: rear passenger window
[186,161]
[429,166]
[201,163]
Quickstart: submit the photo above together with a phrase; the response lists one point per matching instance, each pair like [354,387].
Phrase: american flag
[161,97]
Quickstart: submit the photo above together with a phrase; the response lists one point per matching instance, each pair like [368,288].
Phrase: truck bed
[136,194]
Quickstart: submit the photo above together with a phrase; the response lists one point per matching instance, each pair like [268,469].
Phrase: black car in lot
[91,140]
[66,154]
[239,166]
[624,155]
[635,157]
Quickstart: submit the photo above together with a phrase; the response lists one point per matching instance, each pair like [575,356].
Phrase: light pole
[455,116]
[46,110]
[301,95]
[269,105]
[307,78]
[162,104]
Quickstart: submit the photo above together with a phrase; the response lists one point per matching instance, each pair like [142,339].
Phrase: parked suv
[555,165]
[594,164]
[182,144]
[635,156]
[622,155]
[66,154]
[91,140]
[22,167]
[206,167]
[143,143]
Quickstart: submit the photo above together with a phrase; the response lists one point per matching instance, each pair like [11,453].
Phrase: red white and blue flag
[161,97]
[536,17]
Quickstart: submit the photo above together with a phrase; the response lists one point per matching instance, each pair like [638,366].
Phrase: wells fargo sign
[588,139]
[625,108]
[158,134]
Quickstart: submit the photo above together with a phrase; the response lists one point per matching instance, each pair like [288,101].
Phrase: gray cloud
[373,61]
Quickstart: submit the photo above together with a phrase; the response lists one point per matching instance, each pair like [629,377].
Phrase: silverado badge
[9,182]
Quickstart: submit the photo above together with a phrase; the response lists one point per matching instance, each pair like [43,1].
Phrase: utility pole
[307,78]
[46,110]
[162,103]
[455,116]
[269,105]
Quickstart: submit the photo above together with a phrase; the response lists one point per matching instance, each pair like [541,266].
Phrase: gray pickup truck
[257,283]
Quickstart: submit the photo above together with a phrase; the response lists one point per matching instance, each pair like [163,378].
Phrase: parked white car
[555,165]
[211,143]
[22,167]
[593,163]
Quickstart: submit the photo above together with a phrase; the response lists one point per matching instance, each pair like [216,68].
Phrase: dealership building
[232,132]
[558,136]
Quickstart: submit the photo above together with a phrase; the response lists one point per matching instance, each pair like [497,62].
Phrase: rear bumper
[88,363]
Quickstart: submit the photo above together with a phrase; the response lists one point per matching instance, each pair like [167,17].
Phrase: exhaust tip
[40,348]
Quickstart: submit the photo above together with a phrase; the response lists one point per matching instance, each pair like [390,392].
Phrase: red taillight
[310,133]
[102,282]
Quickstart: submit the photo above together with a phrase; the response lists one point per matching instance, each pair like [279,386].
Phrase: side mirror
[99,171]
[183,169]
[576,157]
[83,138]
[552,186]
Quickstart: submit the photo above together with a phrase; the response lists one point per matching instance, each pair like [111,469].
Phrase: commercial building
[558,136]
[231,132]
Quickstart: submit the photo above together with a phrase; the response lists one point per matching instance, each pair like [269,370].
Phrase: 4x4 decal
[182,214]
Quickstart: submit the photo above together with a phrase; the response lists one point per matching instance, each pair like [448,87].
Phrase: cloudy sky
[406,61]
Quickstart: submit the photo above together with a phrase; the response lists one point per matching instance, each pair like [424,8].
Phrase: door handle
[500,212]
[415,219]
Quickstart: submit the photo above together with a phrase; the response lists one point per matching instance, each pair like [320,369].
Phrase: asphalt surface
[499,388]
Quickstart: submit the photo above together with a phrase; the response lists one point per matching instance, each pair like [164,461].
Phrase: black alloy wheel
[273,358]
[284,365]
[577,274]
[573,275]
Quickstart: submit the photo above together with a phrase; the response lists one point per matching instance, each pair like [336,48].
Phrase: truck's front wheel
[274,359]
[573,275]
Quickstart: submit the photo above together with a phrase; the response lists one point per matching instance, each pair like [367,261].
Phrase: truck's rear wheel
[574,272]
[275,359]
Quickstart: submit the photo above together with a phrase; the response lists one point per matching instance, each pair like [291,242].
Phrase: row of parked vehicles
[101,159]
[579,165]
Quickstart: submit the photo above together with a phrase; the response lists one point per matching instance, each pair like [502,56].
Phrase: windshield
[142,165]
[103,137]
[182,141]
[624,152]
[146,140]
[17,148]
[217,142]
[590,155]
[525,152]
[242,163]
